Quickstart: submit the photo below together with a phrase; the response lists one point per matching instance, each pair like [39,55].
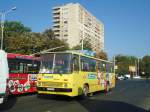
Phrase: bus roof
[81,54]
[20,56]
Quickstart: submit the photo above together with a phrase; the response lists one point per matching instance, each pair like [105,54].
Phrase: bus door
[3,74]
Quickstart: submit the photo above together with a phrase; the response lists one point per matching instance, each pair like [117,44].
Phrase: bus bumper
[56,91]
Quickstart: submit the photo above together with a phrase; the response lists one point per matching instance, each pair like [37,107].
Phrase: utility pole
[138,66]
[114,64]
[3,14]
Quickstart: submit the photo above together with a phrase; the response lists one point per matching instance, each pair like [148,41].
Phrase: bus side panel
[112,79]
[93,82]
[91,78]
[81,78]
[22,83]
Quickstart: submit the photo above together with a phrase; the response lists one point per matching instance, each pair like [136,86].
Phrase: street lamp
[3,14]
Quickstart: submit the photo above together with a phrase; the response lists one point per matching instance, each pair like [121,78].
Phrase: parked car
[137,77]
[120,77]
[127,76]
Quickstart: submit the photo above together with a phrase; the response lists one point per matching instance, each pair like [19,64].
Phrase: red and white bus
[23,71]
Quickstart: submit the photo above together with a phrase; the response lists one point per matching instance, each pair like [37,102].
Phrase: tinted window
[88,64]
[23,66]
[55,63]
[75,63]
[102,65]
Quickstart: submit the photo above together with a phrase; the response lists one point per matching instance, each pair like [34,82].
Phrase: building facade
[72,22]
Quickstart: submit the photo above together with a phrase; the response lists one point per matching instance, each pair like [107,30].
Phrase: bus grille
[51,84]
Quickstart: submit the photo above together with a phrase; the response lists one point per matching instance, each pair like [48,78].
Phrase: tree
[15,27]
[32,43]
[77,47]
[49,34]
[86,46]
[102,55]
[12,31]
[145,66]
[123,63]
[53,42]
[20,39]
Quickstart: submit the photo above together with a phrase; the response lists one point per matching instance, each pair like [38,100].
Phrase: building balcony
[56,32]
[56,16]
[56,25]
[56,8]
[56,12]
[56,29]
[56,21]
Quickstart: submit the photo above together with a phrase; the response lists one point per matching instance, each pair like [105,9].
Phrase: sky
[126,22]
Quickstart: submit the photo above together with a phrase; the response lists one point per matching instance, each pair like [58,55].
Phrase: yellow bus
[72,74]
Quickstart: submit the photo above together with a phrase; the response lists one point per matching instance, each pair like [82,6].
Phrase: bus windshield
[55,63]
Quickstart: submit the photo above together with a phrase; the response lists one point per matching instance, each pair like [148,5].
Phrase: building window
[65,22]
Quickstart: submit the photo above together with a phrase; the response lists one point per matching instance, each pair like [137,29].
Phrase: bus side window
[108,68]
[84,64]
[75,63]
[92,63]
[98,66]
[21,68]
[13,66]
[102,66]
[30,68]
[25,68]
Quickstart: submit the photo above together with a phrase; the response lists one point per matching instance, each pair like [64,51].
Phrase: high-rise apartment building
[73,23]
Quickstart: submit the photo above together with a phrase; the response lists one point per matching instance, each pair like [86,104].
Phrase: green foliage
[102,55]
[86,46]
[77,47]
[49,34]
[15,27]
[123,63]
[145,65]
[20,39]
[13,35]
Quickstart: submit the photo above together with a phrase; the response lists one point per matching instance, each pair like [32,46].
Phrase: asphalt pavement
[128,96]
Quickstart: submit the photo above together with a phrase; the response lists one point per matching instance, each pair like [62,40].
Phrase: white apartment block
[72,22]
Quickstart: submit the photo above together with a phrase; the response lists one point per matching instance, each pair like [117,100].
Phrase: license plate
[50,89]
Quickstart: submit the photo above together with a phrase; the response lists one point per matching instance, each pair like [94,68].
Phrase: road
[128,96]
